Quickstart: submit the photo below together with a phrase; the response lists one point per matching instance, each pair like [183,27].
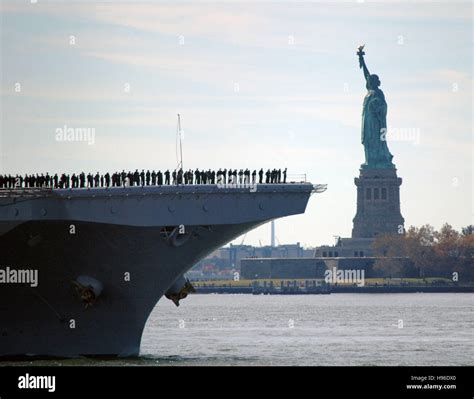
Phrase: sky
[257,84]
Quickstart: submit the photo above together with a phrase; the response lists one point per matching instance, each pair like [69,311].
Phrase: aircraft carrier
[105,256]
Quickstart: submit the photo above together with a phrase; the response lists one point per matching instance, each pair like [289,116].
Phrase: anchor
[88,289]
[180,290]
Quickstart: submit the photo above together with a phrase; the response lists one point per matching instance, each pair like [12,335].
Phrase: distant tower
[273,234]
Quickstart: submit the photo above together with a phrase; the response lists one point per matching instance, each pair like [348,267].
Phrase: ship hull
[134,263]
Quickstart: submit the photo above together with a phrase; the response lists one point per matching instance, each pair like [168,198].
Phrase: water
[338,329]
[321,330]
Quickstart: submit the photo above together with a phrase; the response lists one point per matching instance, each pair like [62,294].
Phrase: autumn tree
[390,250]
[431,253]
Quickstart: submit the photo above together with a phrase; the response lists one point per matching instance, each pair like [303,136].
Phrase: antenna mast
[180,165]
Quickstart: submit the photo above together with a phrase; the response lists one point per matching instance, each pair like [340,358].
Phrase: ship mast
[180,164]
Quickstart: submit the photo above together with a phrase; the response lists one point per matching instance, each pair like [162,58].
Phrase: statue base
[378,203]
[379,166]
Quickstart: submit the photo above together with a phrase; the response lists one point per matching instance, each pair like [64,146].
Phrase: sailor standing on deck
[136,177]
[147,177]
[267,176]
[241,173]
[174,177]
[247,176]
[159,177]
[198,176]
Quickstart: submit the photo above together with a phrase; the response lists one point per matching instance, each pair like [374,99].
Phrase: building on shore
[225,262]
[282,268]
[347,248]
[311,268]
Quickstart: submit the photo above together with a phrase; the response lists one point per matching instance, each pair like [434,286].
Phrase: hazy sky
[269,84]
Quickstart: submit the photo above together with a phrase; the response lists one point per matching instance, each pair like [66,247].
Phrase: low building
[231,256]
[311,268]
[282,268]
[347,247]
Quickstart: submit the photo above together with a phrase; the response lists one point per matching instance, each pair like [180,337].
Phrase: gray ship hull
[124,238]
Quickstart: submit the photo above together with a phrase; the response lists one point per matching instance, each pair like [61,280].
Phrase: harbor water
[309,330]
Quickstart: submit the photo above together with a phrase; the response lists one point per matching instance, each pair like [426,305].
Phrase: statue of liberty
[374,122]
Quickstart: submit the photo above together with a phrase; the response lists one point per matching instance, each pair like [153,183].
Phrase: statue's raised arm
[360,53]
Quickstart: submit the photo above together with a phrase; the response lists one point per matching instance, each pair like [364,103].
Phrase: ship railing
[42,191]
[296,178]
[25,192]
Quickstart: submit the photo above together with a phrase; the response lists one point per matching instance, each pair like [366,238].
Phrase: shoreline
[337,290]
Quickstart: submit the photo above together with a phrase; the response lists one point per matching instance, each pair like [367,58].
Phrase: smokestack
[273,234]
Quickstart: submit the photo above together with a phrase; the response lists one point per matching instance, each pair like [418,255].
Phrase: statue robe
[374,129]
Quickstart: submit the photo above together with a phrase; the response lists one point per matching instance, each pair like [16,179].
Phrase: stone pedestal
[378,203]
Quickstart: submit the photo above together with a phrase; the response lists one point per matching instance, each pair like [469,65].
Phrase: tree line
[426,252]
